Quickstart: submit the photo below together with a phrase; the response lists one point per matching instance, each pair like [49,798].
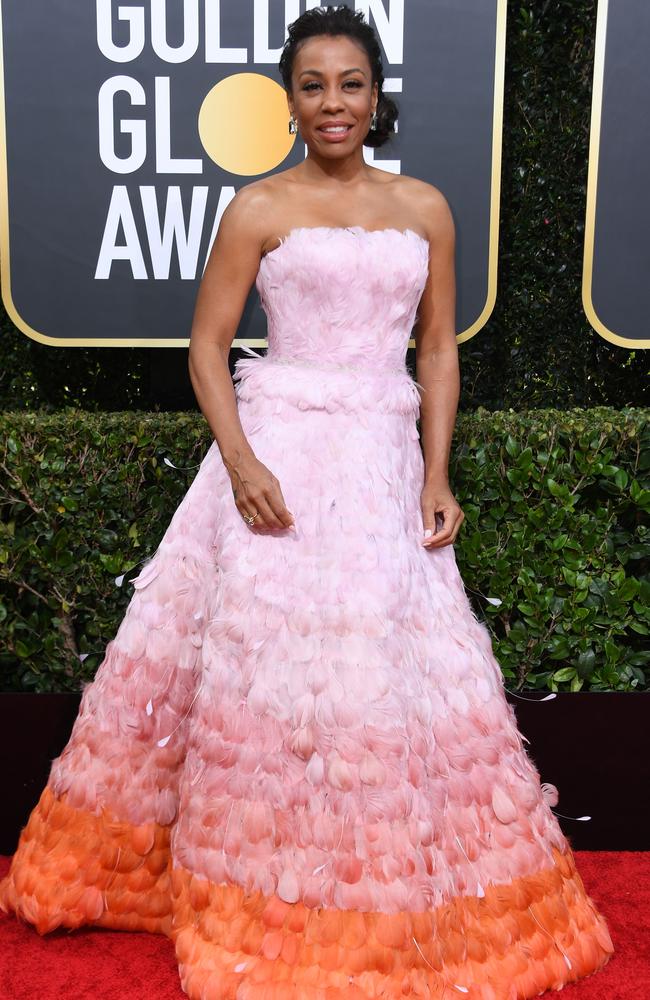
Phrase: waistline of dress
[322,365]
[312,384]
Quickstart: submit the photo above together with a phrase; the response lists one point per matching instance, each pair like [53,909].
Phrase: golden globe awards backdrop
[615,287]
[128,127]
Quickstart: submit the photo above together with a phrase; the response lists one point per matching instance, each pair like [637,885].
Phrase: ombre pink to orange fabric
[73,868]
[297,759]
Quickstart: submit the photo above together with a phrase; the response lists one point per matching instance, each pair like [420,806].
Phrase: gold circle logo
[244,124]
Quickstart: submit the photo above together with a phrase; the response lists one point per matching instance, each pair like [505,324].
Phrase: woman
[297,759]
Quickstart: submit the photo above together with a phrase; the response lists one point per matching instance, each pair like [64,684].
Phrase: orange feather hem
[74,868]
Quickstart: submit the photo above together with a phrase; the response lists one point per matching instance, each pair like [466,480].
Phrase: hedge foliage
[553,551]
[537,348]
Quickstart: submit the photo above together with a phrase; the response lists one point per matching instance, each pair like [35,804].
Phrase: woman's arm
[437,370]
[228,277]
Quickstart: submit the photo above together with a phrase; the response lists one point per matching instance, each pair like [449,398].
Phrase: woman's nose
[332,99]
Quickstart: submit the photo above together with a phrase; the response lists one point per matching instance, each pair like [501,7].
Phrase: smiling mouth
[335,129]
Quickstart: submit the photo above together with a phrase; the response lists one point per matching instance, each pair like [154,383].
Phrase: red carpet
[114,965]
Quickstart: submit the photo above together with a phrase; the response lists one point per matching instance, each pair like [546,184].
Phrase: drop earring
[373,120]
[293,125]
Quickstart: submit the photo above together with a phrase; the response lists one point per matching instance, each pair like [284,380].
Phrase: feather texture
[296,758]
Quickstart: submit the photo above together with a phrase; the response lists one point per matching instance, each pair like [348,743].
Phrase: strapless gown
[296,758]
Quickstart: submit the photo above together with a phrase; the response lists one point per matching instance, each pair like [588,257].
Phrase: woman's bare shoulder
[256,204]
[429,204]
[418,200]
[421,194]
[256,196]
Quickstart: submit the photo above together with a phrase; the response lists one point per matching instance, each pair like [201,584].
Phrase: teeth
[337,128]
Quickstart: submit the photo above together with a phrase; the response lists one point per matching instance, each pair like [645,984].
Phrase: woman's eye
[314,83]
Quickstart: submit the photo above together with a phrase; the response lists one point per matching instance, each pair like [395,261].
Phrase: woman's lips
[336,136]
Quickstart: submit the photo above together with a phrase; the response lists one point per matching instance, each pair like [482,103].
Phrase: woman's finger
[267,515]
[247,510]
[449,530]
[279,507]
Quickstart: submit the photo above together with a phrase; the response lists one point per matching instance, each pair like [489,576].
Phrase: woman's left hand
[436,498]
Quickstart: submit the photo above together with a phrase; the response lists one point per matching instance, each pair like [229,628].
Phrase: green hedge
[553,551]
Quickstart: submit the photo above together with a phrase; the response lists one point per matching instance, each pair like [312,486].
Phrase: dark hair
[342,20]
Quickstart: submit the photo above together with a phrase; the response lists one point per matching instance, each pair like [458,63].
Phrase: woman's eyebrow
[317,72]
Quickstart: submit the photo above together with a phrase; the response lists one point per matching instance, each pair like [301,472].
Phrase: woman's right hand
[257,491]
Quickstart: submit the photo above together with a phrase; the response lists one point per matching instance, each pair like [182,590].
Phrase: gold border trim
[592,186]
[495,181]
[495,193]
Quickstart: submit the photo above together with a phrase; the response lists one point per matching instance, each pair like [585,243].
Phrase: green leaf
[512,446]
[565,674]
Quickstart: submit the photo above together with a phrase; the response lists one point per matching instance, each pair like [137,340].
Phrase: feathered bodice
[343,295]
[340,306]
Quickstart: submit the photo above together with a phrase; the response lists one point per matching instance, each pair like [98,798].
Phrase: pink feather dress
[296,759]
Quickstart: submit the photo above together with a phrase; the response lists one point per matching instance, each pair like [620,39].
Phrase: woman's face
[332,84]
